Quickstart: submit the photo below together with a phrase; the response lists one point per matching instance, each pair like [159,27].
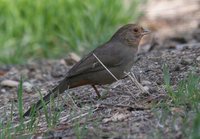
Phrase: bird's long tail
[60,88]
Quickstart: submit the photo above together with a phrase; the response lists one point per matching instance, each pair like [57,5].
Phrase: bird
[103,65]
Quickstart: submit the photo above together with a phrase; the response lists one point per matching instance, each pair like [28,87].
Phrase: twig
[134,80]
[64,118]
[79,116]
[73,101]
[133,108]
[14,126]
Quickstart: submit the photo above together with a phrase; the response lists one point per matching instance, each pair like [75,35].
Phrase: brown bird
[116,57]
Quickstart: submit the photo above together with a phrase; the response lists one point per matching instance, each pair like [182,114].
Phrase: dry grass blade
[134,80]
[74,103]
[63,119]
[130,107]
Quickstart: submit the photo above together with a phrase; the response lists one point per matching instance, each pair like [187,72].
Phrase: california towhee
[117,55]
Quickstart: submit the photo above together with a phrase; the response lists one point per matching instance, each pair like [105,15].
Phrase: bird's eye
[135,30]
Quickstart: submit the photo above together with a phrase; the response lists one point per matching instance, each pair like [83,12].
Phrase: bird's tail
[60,88]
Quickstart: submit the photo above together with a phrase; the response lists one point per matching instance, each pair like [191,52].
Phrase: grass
[180,113]
[9,128]
[20,104]
[23,127]
[51,116]
[80,131]
[49,29]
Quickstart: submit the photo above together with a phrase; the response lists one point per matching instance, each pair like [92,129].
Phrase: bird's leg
[96,91]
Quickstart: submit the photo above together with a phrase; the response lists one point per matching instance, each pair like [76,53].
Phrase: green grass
[51,116]
[9,128]
[80,131]
[20,104]
[186,98]
[49,29]
[187,92]
[23,128]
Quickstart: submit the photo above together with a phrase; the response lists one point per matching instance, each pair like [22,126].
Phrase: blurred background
[35,29]
[50,29]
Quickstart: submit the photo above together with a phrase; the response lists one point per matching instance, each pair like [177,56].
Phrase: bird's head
[130,34]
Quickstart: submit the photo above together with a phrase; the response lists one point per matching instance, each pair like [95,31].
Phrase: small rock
[198,58]
[145,82]
[186,61]
[9,83]
[27,86]
[72,59]
[3,91]
[62,61]
[116,117]
[38,76]
[146,88]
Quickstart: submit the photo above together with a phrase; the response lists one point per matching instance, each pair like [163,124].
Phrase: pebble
[198,58]
[3,91]
[72,59]
[62,62]
[186,61]
[27,87]
[146,88]
[9,83]
[145,82]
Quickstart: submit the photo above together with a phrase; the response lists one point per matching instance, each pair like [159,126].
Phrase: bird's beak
[146,31]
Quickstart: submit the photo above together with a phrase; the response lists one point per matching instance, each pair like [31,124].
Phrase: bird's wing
[107,54]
